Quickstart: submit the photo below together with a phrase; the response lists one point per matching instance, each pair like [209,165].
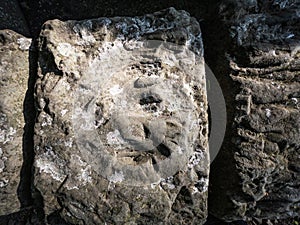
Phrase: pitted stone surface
[121,133]
[13,85]
[265,142]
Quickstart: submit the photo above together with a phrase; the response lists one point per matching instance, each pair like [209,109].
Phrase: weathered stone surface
[265,150]
[39,11]
[121,133]
[13,86]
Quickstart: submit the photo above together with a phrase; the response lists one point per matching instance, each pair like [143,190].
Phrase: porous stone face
[121,131]
[264,65]
[13,86]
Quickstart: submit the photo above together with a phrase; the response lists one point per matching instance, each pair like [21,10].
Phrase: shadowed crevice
[217,42]
[28,196]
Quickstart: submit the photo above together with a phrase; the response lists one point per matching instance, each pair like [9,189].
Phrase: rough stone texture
[275,20]
[11,17]
[39,11]
[148,113]
[265,150]
[13,85]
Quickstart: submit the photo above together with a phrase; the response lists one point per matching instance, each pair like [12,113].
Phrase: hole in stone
[282,145]
[150,99]
[256,181]
[184,198]
[153,161]
[164,150]
[140,159]
[146,131]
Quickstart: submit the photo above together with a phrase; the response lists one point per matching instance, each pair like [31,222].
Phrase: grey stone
[39,11]
[264,176]
[13,85]
[121,131]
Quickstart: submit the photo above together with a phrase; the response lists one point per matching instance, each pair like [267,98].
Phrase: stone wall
[252,48]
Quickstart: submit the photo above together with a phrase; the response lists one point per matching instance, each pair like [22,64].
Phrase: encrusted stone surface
[265,66]
[13,86]
[121,133]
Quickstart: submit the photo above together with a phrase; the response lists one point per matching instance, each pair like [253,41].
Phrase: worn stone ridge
[267,117]
[13,85]
[121,132]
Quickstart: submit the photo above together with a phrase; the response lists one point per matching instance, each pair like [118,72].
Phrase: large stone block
[264,178]
[14,74]
[121,135]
